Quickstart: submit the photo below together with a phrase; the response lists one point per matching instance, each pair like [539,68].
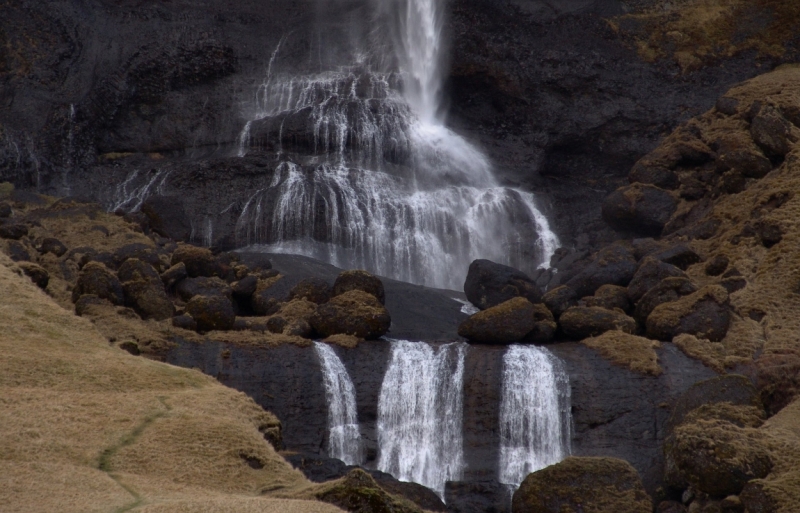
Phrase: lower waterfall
[420,414]
[535,417]
[344,437]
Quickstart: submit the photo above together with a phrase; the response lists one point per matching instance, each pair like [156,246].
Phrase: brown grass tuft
[636,353]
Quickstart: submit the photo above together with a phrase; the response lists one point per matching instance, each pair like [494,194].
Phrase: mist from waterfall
[368,174]
[535,418]
[420,412]
[344,437]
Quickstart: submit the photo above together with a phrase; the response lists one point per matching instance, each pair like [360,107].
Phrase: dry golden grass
[636,353]
[86,427]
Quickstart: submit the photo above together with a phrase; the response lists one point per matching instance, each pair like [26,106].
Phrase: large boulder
[13,231]
[167,217]
[668,290]
[148,299]
[639,208]
[589,321]
[612,265]
[318,291]
[475,496]
[134,269]
[507,322]
[705,314]
[211,312]
[52,245]
[359,280]
[544,325]
[269,294]
[198,261]
[355,312]
[609,297]
[488,284]
[650,272]
[575,485]
[560,299]
[95,278]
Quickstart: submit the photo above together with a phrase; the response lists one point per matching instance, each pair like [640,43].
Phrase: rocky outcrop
[575,484]
[488,284]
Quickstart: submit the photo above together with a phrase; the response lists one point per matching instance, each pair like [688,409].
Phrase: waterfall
[535,415]
[344,438]
[368,174]
[420,414]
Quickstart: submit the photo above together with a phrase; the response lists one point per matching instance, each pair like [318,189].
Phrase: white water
[420,414]
[534,413]
[344,437]
[370,177]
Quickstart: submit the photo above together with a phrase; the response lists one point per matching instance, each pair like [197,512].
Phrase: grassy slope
[87,427]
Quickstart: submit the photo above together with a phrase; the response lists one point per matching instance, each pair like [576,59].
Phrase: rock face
[488,284]
[583,484]
[354,313]
[507,322]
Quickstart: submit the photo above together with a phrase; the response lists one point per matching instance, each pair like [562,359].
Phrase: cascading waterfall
[344,437]
[370,177]
[420,413]
[535,415]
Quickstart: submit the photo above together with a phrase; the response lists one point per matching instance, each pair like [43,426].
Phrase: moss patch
[636,353]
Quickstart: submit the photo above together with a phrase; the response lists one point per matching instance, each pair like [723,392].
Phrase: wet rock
[612,265]
[473,496]
[148,298]
[184,321]
[649,274]
[705,314]
[559,299]
[211,312]
[202,286]
[507,322]
[317,290]
[198,261]
[583,484]
[36,273]
[52,245]
[359,280]
[609,297]
[421,496]
[639,208]
[13,231]
[668,290]
[95,278]
[772,132]
[354,312]
[717,265]
[174,275]
[167,217]
[488,284]
[580,322]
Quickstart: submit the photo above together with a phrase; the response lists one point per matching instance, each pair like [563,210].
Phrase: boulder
[174,275]
[717,265]
[269,294]
[733,389]
[167,217]
[355,312]
[52,245]
[639,208]
[606,485]
[668,290]
[650,273]
[488,284]
[359,280]
[139,251]
[738,151]
[148,299]
[211,312]
[768,231]
[5,210]
[184,321]
[36,273]
[636,353]
[609,297]
[317,290]
[95,278]
[17,251]
[560,299]
[612,265]
[679,255]
[198,261]
[705,314]
[507,322]
[13,231]
[653,174]
[772,132]
[245,286]
[587,321]
[544,325]
[476,496]
[359,493]
[202,286]
[87,301]
[134,269]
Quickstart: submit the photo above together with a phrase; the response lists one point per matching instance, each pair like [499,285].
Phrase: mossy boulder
[488,284]
[359,280]
[95,278]
[639,208]
[705,314]
[358,492]
[544,325]
[52,245]
[174,275]
[318,290]
[202,286]
[636,353]
[588,321]
[269,294]
[198,261]
[507,322]
[13,231]
[668,290]
[609,297]
[738,151]
[36,273]
[612,265]
[148,299]
[211,312]
[772,132]
[355,312]
[583,485]
[650,272]
[558,300]
[134,269]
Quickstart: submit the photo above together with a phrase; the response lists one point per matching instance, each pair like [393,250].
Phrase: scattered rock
[36,273]
[656,175]
[507,322]
[167,217]
[488,284]
[649,274]
[134,269]
[211,312]
[639,208]
[768,231]
[198,261]
[737,151]
[13,231]
[95,278]
[588,321]
[17,251]
[139,251]
[355,312]
[583,484]
[668,290]
[317,290]
[245,286]
[705,314]
[359,280]
[612,265]
[559,299]
[54,246]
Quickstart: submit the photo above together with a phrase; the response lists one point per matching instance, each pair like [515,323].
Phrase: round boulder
[211,312]
[198,261]
[639,208]
[134,269]
[315,290]
[612,265]
[202,286]
[669,289]
[650,272]
[507,322]
[583,484]
[359,280]
[560,299]
[148,299]
[355,312]
[54,246]
[589,321]
[488,284]
[95,278]
[705,314]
